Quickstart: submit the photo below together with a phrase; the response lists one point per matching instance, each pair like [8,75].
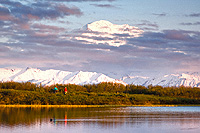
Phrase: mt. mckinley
[51,77]
[104,32]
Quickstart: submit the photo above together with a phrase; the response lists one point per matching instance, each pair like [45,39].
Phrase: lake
[183,119]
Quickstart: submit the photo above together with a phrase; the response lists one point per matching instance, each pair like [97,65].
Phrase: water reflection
[150,119]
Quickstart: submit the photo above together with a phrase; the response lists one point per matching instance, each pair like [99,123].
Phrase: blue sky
[37,33]
[167,14]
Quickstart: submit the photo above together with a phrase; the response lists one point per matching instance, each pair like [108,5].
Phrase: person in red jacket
[65,91]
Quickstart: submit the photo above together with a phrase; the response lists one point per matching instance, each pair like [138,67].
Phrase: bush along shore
[14,93]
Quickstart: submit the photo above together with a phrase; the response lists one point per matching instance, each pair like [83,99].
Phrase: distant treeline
[96,94]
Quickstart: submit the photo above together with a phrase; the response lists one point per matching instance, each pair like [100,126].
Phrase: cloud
[26,19]
[37,10]
[34,35]
[176,44]
[160,14]
[54,11]
[22,21]
[159,51]
[147,25]
[190,24]
[193,15]
[46,28]
[175,35]
[103,5]
[4,11]
[5,14]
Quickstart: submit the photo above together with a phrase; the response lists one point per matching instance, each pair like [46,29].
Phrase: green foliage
[96,94]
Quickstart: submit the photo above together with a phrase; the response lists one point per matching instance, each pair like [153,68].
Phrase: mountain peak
[101,22]
[99,25]
[105,32]
[105,26]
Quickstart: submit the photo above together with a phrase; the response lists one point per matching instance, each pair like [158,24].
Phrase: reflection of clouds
[190,126]
[149,119]
[120,119]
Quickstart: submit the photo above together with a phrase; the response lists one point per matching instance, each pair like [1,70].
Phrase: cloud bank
[34,36]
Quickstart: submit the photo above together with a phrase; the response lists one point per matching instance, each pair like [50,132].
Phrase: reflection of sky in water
[98,120]
[170,109]
[180,109]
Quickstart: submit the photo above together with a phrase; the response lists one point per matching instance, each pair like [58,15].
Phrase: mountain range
[51,77]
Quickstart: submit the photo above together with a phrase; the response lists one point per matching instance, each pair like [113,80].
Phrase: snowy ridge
[182,79]
[51,77]
[104,32]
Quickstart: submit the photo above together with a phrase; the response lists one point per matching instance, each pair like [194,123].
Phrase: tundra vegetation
[14,93]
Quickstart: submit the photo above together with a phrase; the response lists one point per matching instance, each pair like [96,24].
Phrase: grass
[14,94]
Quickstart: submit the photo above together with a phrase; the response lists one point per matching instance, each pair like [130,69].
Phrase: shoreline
[89,106]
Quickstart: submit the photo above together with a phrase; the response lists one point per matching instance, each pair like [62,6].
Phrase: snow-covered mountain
[104,32]
[51,77]
[181,79]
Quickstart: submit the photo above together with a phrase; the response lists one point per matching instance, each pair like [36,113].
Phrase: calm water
[101,120]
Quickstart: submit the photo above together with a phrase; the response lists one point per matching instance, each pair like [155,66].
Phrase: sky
[41,34]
